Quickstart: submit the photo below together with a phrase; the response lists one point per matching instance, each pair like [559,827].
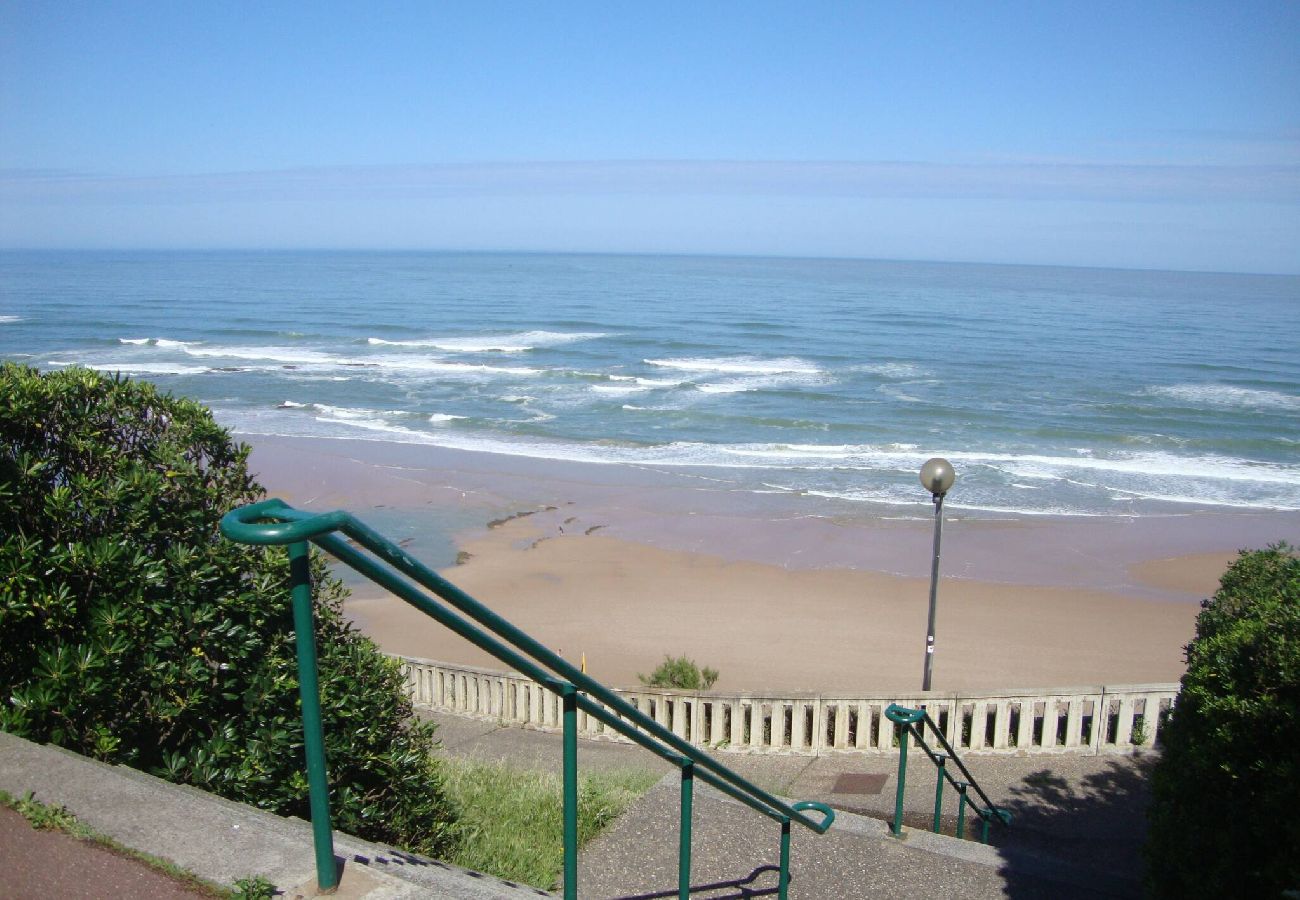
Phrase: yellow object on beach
[584,664]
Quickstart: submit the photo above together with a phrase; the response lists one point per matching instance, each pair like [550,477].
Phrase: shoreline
[627,564]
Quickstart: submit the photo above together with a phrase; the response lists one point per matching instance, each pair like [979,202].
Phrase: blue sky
[1149,135]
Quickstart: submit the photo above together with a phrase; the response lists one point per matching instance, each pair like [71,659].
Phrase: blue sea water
[1052,390]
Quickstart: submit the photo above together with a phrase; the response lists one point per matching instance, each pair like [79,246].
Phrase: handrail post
[327,875]
[569,695]
[940,760]
[385,563]
[897,826]
[961,809]
[984,827]
[684,837]
[783,877]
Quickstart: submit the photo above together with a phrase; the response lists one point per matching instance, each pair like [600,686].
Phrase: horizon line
[449,251]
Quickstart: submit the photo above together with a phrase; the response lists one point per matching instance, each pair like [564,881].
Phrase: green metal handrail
[274,522]
[914,722]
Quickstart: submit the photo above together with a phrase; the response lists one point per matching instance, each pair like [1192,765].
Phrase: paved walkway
[38,865]
[1078,824]
[1073,808]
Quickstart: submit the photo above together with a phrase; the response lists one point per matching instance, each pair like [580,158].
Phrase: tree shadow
[1093,828]
[744,887]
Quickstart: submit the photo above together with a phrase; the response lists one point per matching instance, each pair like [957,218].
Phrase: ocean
[1053,391]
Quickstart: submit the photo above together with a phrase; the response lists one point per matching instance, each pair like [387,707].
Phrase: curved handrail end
[902,715]
[247,524]
[828,814]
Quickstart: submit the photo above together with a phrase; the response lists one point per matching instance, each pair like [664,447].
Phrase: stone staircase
[735,850]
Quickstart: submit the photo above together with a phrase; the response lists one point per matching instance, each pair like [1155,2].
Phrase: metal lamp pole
[937,476]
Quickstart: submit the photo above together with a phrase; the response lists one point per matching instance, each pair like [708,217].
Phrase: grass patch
[44,817]
[512,818]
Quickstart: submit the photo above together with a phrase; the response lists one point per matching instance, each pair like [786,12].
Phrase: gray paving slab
[735,853]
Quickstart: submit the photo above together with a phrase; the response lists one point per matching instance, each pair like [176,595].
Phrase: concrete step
[736,850]
[221,840]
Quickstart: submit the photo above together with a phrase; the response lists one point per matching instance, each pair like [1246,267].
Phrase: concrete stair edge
[92,789]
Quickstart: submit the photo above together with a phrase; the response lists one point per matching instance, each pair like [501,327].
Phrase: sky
[1136,135]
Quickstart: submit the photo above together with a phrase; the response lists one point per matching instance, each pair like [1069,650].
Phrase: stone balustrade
[1090,720]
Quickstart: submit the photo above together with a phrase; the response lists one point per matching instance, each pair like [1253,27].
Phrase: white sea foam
[161,343]
[6,320]
[136,368]
[443,418]
[356,413]
[630,384]
[319,360]
[893,370]
[907,391]
[439,367]
[1152,464]
[992,482]
[739,365]
[1224,395]
[505,343]
[773,382]
[289,404]
[283,355]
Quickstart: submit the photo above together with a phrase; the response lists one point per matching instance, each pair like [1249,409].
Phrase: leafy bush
[132,632]
[1227,787]
[680,673]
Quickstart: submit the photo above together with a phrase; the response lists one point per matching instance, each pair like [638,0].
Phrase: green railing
[274,522]
[913,723]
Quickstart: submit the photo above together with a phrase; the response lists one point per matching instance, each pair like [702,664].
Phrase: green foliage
[254,887]
[43,817]
[132,632]
[1227,786]
[513,817]
[681,673]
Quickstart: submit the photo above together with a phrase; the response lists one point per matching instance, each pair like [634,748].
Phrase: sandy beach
[610,563]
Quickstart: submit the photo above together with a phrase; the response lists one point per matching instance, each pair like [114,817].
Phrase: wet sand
[790,595]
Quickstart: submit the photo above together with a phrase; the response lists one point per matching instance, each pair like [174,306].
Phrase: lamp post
[937,476]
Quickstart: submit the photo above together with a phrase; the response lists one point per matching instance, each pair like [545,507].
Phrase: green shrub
[132,632]
[1227,786]
[680,673]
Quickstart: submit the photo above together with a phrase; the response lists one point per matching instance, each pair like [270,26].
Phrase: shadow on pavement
[1098,825]
[744,887]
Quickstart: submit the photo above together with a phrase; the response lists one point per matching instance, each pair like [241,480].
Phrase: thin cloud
[893,180]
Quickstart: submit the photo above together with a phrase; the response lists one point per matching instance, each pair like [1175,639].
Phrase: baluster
[778,725]
[738,714]
[1001,724]
[798,725]
[1124,730]
[1074,722]
[1025,731]
[841,737]
[756,723]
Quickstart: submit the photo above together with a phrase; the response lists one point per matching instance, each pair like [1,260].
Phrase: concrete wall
[1091,719]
